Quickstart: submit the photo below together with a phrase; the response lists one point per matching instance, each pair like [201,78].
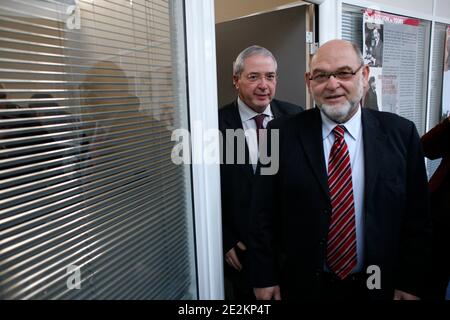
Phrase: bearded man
[348,208]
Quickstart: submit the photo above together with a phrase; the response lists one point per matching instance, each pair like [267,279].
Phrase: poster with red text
[390,46]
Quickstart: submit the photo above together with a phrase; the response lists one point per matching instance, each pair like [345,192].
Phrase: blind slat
[85,151]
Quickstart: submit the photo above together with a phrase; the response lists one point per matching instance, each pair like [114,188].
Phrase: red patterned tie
[259,119]
[341,246]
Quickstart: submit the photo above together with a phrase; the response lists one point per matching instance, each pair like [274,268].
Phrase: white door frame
[203,113]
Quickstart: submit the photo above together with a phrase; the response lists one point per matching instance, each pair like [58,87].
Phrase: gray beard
[338,114]
[342,113]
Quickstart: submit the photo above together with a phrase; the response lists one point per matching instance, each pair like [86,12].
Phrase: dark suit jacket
[237,179]
[295,204]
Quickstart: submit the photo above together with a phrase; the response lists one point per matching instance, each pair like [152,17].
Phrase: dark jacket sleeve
[415,243]
[229,237]
[436,142]
[263,264]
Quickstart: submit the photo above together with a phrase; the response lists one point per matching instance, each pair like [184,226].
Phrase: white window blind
[352,30]
[352,21]
[90,93]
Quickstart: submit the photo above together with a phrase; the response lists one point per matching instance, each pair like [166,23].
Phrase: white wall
[423,6]
[443,9]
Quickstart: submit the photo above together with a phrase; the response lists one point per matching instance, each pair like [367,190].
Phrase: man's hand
[267,293]
[401,295]
[232,259]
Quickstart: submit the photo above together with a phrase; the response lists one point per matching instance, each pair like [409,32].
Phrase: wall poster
[446,78]
[390,46]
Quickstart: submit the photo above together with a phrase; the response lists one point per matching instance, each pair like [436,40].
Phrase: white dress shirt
[354,138]
[249,125]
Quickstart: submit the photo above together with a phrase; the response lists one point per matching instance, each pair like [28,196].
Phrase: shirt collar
[352,126]
[247,113]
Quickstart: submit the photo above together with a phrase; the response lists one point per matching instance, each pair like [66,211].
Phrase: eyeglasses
[341,75]
[256,77]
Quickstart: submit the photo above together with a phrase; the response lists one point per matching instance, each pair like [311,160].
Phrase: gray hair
[238,65]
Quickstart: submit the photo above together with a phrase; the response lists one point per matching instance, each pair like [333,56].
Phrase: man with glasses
[350,198]
[255,80]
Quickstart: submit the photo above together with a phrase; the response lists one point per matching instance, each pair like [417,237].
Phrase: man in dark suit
[254,77]
[375,48]
[436,144]
[350,196]
[370,99]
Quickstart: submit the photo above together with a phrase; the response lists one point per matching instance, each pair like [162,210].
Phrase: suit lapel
[276,110]
[310,135]
[234,121]
[374,140]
